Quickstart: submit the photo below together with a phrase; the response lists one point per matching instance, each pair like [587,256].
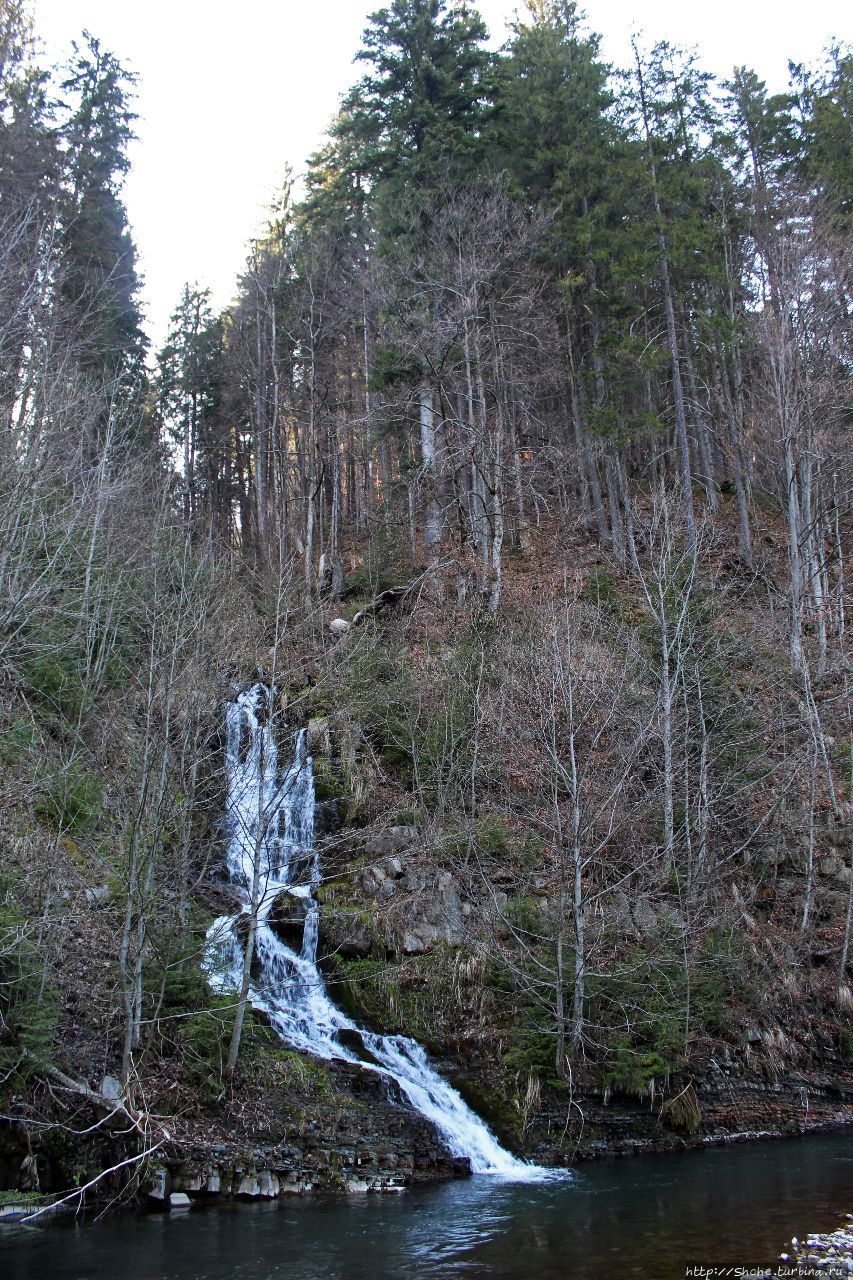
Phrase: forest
[519,472]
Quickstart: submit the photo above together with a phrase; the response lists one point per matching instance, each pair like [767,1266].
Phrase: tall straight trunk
[310,476]
[582,441]
[682,441]
[335,518]
[700,430]
[848,918]
[617,537]
[481,466]
[522,529]
[260,438]
[795,568]
[812,552]
[432,523]
[369,464]
[625,499]
[559,996]
[838,544]
[734,430]
[666,693]
[808,894]
[704,801]
[578,904]
[497,512]
[476,511]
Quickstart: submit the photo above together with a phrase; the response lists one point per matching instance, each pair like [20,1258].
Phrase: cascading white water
[271,816]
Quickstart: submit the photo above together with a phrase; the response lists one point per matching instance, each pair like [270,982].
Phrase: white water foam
[271,817]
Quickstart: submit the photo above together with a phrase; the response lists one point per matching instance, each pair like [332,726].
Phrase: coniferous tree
[100,281]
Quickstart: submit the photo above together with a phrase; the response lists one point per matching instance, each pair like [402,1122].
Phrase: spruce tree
[100,280]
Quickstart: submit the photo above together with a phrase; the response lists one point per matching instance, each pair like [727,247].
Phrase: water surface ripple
[651,1217]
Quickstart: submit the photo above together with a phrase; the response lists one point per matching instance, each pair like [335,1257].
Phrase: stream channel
[654,1217]
[650,1217]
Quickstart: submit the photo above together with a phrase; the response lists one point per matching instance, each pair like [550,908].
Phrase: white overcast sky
[231,93]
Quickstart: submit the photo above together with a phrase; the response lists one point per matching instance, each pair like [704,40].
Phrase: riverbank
[830,1253]
[291,1128]
[727,1110]
[636,1219]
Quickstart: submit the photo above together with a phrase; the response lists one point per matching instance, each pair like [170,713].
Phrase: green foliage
[27,1003]
[290,1071]
[100,280]
[422,104]
[18,742]
[720,982]
[32,1198]
[603,592]
[492,838]
[631,1069]
[56,678]
[532,1050]
[648,989]
[191,1022]
[417,997]
[378,685]
[69,799]
[328,784]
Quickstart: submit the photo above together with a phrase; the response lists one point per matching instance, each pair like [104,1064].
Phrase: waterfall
[271,824]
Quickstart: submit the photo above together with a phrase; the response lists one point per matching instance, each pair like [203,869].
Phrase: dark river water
[651,1217]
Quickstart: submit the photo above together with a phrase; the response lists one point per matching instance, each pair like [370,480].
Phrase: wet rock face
[346,935]
[287,917]
[327,818]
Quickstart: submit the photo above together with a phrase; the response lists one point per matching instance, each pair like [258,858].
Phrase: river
[650,1217]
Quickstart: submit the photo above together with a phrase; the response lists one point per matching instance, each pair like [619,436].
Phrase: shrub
[27,1003]
[682,1112]
[70,800]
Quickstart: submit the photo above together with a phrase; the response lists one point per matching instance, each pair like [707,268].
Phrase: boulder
[645,917]
[318,736]
[268,1186]
[287,916]
[179,1200]
[339,627]
[111,1089]
[392,840]
[435,919]
[346,933]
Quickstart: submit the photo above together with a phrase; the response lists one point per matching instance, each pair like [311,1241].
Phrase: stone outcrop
[369,1144]
[734,1108]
